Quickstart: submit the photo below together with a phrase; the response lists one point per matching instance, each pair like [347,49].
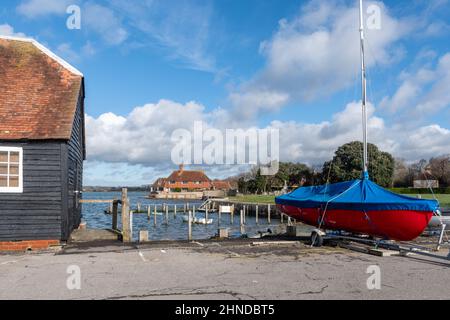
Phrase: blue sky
[291,65]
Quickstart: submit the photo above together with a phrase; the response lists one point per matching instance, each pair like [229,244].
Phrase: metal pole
[364,90]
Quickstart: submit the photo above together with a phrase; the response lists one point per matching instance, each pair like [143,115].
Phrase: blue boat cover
[361,195]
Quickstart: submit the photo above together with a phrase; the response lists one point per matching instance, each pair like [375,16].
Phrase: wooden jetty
[218,207]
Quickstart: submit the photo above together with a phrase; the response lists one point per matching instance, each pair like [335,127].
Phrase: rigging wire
[326,208]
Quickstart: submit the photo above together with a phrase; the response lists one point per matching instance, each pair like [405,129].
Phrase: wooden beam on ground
[96,201]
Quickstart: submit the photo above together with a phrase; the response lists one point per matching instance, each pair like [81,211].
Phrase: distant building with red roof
[189,181]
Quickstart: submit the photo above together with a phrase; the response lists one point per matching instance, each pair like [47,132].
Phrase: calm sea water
[95,217]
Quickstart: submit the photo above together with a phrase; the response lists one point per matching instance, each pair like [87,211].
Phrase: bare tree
[440,169]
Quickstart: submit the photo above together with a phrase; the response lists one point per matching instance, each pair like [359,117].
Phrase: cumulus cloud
[144,136]
[424,142]
[316,54]
[314,143]
[7,30]
[38,8]
[423,92]
[96,18]
[105,22]
[140,143]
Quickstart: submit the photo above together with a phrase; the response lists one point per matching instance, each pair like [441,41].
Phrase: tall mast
[364,90]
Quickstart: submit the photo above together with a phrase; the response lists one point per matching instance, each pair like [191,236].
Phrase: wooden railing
[126,229]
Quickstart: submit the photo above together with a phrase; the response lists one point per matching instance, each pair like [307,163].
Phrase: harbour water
[176,229]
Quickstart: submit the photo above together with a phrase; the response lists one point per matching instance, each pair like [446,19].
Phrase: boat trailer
[373,246]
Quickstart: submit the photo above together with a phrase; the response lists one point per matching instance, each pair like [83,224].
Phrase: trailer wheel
[316,239]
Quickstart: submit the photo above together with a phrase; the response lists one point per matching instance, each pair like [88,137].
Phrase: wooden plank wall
[36,213]
[75,170]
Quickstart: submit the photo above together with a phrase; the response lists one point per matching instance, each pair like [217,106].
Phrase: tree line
[347,165]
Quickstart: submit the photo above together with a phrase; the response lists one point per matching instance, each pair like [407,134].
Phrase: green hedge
[420,191]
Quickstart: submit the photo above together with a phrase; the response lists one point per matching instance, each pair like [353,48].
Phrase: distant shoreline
[115,189]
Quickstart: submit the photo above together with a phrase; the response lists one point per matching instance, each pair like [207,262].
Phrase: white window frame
[18,189]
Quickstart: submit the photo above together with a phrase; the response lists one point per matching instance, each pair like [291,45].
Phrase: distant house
[189,181]
[159,185]
[425,184]
[221,185]
[42,145]
[186,180]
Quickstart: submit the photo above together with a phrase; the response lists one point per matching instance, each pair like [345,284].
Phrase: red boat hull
[390,224]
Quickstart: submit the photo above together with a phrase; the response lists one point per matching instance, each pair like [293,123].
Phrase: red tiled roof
[221,185]
[188,176]
[38,92]
[160,183]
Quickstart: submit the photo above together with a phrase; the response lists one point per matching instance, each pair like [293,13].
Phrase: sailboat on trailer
[360,206]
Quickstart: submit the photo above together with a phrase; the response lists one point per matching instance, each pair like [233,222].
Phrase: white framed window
[11,170]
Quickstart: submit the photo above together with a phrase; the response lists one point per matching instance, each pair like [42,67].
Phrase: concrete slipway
[219,270]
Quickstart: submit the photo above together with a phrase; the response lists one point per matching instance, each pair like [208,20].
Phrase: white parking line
[10,262]
[142,256]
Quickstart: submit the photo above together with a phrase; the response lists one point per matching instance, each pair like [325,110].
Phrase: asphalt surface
[209,270]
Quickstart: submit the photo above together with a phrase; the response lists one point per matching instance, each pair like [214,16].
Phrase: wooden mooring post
[126,227]
[242,224]
[232,215]
[257,213]
[115,213]
[167,215]
[154,215]
[190,226]
[268,214]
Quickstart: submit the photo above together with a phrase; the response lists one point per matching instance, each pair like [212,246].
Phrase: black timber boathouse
[42,146]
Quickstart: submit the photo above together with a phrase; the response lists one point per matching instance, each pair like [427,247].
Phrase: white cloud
[7,30]
[144,136]
[423,92]
[436,29]
[424,142]
[140,143]
[317,53]
[65,51]
[315,143]
[39,8]
[249,103]
[181,29]
[103,21]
